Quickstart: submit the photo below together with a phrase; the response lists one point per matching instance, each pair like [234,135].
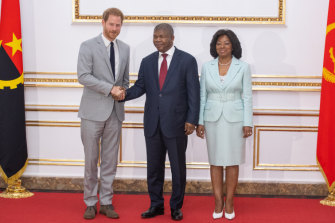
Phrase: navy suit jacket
[178,101]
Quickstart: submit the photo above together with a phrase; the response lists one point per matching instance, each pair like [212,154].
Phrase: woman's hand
[247,131]
[201,131]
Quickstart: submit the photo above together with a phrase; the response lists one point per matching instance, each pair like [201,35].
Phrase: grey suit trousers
[109,133]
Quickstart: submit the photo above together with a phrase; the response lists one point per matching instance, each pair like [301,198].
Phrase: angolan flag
[326,134]
[13,145]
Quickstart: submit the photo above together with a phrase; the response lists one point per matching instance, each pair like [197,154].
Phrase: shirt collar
[170,52]
[106,41]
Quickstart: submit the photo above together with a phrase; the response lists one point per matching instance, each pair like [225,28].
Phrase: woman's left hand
[247,131]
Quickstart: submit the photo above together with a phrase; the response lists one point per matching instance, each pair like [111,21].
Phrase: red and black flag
[326,134]
[13,144]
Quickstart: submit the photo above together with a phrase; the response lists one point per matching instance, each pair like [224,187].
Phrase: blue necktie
[112,59]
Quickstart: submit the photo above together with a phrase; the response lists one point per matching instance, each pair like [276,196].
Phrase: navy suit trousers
[157,146]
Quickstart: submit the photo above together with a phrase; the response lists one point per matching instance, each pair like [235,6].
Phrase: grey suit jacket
[95,73]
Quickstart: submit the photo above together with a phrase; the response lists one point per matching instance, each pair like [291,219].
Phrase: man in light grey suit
[103,69]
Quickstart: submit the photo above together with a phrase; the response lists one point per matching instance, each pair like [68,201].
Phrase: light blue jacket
[233,98]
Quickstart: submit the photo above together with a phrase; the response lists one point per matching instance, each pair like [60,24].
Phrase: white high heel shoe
[217,215]
[230,216]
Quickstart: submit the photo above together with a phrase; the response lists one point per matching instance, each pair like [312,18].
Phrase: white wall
[285,114]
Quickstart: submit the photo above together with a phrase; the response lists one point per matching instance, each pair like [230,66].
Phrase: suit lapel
[214,72]
[232,72]
[173,65]
[103,51]
[121,58]
[155,69]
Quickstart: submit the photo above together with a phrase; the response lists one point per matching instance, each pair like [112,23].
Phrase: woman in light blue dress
[225,115]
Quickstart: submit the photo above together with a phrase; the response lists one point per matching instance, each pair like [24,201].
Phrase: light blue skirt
[225,142]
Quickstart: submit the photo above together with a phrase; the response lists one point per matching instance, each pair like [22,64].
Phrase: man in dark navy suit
[169,78]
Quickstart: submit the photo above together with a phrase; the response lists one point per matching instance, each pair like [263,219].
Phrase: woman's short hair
[112,11]
[236,46]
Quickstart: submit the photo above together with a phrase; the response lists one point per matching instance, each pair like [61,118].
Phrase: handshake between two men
[118,93]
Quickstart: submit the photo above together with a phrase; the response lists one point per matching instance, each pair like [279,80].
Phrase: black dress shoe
[176,214]
[152,212]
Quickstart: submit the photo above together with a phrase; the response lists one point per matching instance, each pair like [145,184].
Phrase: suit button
[160,95]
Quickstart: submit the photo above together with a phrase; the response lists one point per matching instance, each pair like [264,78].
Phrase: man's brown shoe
[108,210]
[90,212]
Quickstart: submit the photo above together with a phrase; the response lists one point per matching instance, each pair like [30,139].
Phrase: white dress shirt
[169,53]
[116,53]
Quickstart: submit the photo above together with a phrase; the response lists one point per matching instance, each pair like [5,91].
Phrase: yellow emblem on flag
[12,84]
[327,74]
[16,46]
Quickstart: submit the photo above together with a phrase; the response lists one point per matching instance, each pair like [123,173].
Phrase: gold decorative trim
[61,82]
[140,110]
[122,163]
[51,110]
[283,167]
[53,86]
[133,125]
[285,76]
[75,124]
[51,80]
[134,74]
[281,114]
[188,166]
[52,123]
[285,89]
[56,162]
[280,19]
[60,73]
[289,84]
[257,85]
[36,105]
[141,107]
[286,112]
[75,108]
[50,73]
[66,162]
[296,84]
